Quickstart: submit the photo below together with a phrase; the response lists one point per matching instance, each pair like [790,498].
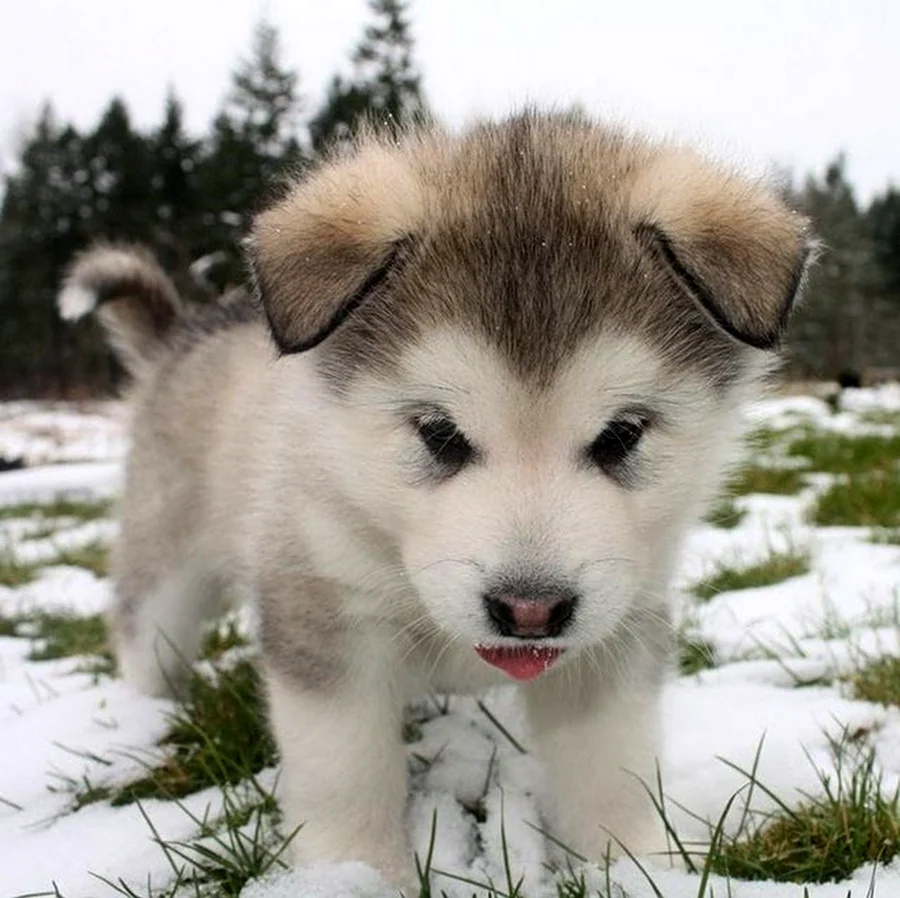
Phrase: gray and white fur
[489,381]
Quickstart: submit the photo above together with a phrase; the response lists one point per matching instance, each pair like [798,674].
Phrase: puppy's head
[536,337]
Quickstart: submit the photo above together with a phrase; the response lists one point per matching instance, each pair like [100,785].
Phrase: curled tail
[135,300]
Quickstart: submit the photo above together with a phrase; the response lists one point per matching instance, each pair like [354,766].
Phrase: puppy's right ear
[332,243]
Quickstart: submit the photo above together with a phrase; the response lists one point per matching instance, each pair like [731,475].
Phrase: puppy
[489,382]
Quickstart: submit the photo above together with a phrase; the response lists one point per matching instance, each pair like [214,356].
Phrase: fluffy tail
[135,300]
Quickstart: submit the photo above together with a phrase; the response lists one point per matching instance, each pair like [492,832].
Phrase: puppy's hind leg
[157,625]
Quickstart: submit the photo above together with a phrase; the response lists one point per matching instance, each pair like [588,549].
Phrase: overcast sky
[757,81]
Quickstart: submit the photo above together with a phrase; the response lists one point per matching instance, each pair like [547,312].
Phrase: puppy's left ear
[332,243]
[730,244]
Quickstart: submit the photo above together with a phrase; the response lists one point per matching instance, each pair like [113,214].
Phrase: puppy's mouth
[520,662]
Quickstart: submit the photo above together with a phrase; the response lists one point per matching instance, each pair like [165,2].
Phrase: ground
[782,725]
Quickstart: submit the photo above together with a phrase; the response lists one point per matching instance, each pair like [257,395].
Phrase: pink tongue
[520,663]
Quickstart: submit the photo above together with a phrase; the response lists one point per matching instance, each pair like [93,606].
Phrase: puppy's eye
[446,443]
[616,442]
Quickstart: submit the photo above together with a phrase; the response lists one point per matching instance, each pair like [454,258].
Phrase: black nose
[530,614]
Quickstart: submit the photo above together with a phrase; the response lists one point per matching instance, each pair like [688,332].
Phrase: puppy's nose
[530,617]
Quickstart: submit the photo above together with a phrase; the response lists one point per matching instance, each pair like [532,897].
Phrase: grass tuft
[860,500]
[56,635]
[766,439]
[218,737]
[765,479]
[827,837]
[878,681]
[725,514]
[93,557]
[695,654]
[837,453]
[81,509]
[67,636]
[775,568]
[880,417]
[226,853]
[16,573]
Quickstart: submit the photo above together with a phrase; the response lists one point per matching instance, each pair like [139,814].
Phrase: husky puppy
[488,384]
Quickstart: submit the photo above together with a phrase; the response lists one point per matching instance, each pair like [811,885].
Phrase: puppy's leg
[343,774]
[157,625]
[596,740]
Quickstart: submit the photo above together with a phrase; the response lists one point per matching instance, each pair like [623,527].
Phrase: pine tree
[120,167]
[883,218]
[263,103]
[254,140]
[28,219]
[835,328]
[385,86]
[177,210]
[47,214]
[883,221]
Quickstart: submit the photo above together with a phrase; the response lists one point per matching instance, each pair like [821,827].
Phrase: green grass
[93,557]
[60,635]
[754,478]
[860,500]
[218,736]
[765,439]
[878,681]
[695,654]
[84,793]
[775,568]
[80,509]
[16,573]
[828,836]
[45,530]
[67,636]
[225,854]
[835,453]
[880,417]
[725,514]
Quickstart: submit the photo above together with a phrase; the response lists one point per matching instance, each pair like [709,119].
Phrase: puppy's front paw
[388,856]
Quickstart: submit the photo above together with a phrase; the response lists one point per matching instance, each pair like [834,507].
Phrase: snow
[50,433]
[60,725]
[351,880]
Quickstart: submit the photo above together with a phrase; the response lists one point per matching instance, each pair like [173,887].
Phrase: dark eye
[445,442]
[616,442]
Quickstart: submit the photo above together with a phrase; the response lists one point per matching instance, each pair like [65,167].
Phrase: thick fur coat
[488,382]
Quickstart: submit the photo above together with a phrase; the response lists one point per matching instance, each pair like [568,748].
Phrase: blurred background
[170,123]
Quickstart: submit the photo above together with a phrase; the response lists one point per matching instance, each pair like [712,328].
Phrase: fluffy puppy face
[494,488]
[535,337]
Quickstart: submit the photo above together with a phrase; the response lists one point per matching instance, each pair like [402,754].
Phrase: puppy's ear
[731,245]
[332,243]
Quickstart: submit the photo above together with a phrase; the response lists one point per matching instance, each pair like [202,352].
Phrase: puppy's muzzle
[531,614]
